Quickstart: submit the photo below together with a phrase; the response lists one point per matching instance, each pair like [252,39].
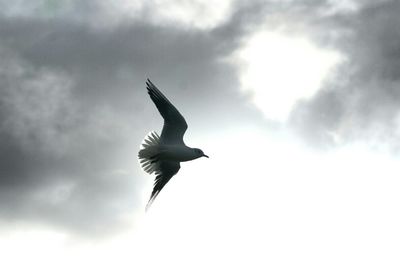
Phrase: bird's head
[199,153]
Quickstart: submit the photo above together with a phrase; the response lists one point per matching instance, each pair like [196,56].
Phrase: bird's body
[163,154]
[177,153]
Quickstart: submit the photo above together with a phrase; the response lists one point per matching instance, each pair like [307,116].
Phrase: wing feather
[166,170]
[174,123]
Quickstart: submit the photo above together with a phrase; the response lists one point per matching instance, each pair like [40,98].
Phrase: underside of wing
[174,123]
[167,169]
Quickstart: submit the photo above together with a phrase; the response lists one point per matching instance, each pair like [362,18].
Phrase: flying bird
[163,154]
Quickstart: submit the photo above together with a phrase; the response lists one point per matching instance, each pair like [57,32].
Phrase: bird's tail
[149,151]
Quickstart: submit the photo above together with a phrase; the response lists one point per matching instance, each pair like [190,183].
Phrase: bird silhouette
[163,154]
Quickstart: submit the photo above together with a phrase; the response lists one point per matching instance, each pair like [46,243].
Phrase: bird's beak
[206,156]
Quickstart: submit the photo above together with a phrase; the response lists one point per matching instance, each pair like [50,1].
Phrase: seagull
[163,154]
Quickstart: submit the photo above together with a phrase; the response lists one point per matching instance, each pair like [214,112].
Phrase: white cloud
[199,14]
[342,6]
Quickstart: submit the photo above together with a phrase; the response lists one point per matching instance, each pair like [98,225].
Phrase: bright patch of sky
[271,203]
[278,70]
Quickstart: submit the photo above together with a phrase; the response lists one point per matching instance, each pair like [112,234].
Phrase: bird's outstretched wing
[167,169]
[174,124]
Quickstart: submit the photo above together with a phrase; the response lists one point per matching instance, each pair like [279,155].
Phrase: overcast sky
[301,97]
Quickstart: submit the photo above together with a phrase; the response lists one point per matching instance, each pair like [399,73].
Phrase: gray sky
[74,108]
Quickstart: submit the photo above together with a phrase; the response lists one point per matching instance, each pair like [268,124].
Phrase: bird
[162,154]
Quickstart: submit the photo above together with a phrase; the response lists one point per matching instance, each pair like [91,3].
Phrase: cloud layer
[361,101]
[74,111]
[73,107]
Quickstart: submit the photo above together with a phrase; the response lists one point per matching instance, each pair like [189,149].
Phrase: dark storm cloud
[74,110]
[361,102]
[51,148]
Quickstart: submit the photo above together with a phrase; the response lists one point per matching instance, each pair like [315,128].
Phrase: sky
[295,102]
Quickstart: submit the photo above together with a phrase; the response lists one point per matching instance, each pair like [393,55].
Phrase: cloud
[57,159]
[360,102]
[74,110]
[198,14]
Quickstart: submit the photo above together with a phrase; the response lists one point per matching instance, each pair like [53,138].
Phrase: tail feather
[149,150]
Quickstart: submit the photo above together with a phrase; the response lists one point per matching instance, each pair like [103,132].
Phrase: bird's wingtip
[151,200]
[149,84]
